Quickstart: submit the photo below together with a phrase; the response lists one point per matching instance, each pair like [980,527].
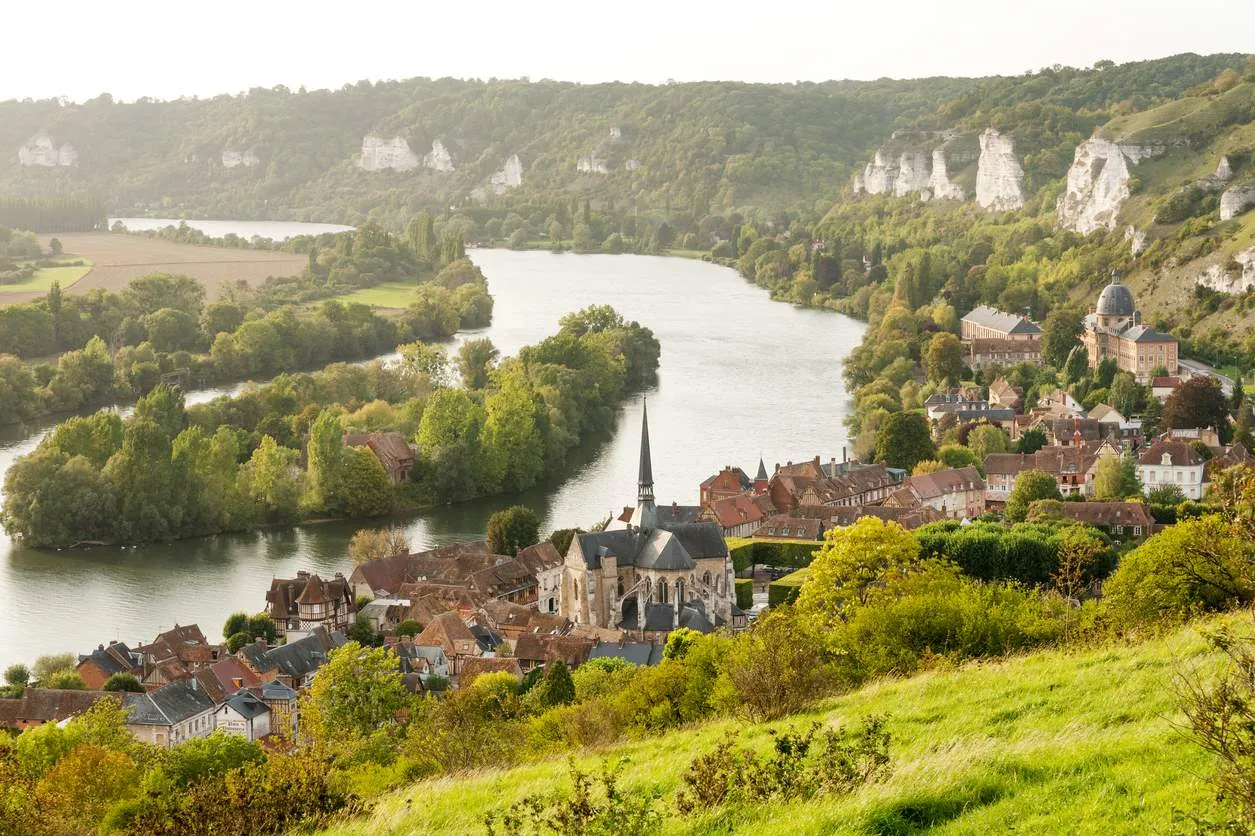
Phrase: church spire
[645,478]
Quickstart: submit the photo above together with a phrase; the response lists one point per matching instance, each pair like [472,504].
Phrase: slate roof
[1146,334]
[668,547]
[296,659]
[48,705]
[1180,453]
[274,690]
[988,317]
[246,705]
[116,658]
[168,705]
[637,653]
[476,667]
[1115,300]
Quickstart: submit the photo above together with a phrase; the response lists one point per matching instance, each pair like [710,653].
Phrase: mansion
[1114,329]
[647,573]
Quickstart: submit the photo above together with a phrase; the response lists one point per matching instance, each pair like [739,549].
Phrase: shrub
[745,593]
[594,806]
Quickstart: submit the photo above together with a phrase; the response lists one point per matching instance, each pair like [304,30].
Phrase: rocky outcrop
[591,164]
[925,169]
[1224,171]
[914,174]
[1237,276]
[632,165]
[939,181]
[235,159]
[1098,183]
[379,154]
[1235,200]
[438,158]
[509,176]
[879,175]
[41,150]
[1136,238]
[999,176]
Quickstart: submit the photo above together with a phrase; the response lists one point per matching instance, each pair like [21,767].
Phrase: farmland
[119,258]
[64,274]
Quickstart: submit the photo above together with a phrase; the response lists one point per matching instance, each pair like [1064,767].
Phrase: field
[386,295]
[1052,742]
[65,275]
[119,258]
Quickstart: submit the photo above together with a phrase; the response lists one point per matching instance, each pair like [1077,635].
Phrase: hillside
[1052,742]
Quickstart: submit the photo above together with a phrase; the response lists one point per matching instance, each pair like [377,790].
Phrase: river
[740,377]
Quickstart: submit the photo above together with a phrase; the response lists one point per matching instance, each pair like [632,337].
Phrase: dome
[1115,300]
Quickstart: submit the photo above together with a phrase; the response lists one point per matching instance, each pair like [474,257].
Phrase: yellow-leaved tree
[851,561]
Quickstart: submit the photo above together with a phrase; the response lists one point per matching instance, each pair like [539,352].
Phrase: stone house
[1173,461]
[1002,351]
[957,493]
[450,634]
[544,563]
[392,449]
[302,604]
[1122,520]
[172,714]
[243,715]
[984,322]
[37,706]
[96,667]
[1114,329]
[738,516]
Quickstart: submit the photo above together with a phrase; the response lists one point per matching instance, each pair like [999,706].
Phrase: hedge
[786,589]
[744,593]
[773,553]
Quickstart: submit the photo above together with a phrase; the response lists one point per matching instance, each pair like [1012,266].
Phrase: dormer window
[1166,461]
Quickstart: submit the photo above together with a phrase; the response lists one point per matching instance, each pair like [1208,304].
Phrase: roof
[286,594]
[637,653]
[168,705]
[784,525]
[988,317]
[670,546]
[246,705]
[1146,334]
[948,481]
[449,632]
[1106,414]
[645,476]
[476,667]
[1006,345]
[454,563]
[742,478]
[761,476]
[540,557]
[48,705]
[220,679]
[572,650]
[274,690]
[116,658]
[1109,513]
[296,659]
[1115,300]
[391,448]
[1055,460]
[1180,453]
[736,510]
[908,518]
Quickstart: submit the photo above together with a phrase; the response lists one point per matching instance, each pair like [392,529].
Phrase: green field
[44,277]
[386,295]
[1052,742]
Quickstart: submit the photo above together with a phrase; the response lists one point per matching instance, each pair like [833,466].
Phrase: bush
[772,553]
[745,593]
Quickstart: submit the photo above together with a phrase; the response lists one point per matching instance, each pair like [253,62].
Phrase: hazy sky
[132,48]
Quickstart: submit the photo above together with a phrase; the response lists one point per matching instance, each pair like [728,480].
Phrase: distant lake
[274,230]
[741,376]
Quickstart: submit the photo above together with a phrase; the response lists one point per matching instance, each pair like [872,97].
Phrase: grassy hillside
[1053,742]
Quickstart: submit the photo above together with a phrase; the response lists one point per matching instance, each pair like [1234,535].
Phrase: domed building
[1114,329]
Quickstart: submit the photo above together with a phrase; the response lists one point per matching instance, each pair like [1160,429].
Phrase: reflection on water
[740,377]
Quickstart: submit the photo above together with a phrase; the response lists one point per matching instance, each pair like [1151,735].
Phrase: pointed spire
[762,471]
[645,479]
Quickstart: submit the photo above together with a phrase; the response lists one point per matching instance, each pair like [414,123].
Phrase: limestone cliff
[438,158]
[1237,276]
[939,182]
[879,175]
[42,150]
[914,174]
[235,159]
[1235,200]
[999,176]
[921,163]
[1098,183]
[379,154]
[509,176]
[591,164]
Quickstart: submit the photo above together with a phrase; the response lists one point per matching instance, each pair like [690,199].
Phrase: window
[1137,531]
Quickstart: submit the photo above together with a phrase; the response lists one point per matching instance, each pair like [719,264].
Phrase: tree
[1116,477]
[1076,366]
[475,360]
[904,440]
[562,537]
[1198,402]
[356,693]
[17,674]
[427,362]
[326,462]
[987,439]
[362,632]
[781,664]
[1060,334]
[1166,495]
[124,682]
[943,360]
[1238,395]
[367,490]
[852,560]
[373,543]
[556,688]
[64,680]
[928,466]
[1078,554]
[513,529]
[1127,395]
[1030,486]
[450,439]
[270,478]
[1030,441]
[46,666]
[958,455]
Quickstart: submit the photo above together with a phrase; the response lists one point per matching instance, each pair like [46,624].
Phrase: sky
[133,48]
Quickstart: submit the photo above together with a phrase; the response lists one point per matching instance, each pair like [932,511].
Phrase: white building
[244,715]
[172,714]
[1172,461]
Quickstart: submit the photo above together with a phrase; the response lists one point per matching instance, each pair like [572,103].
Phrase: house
[958,493]
[729,482]
[610,576]
[244,715]
[738,516]
[37,706]
[544,563]
[421,660]
[225,677]
[177,654]
[908,518]
[1002,395]
[295,663]
[172,714]
[467,566]
[386,614]
[450,634]
[786,527]
[513,620]
[844,484]
[392,449]
[636,653]
[1173,461]
[1122,520]
[302,604]
[1163,387]
[1059,404]
[96,667]
[472,669]
[985,322]
[1002,351]
[1072,432]
[1073,468]
[533,650]
[1114,329]
[282,702]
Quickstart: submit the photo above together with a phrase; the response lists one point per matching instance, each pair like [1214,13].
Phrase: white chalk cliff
[1235,200]
[1237,280]
[509,176]
[879,175]
[379,154]
[914,173]
[999,176]
[438,158]
[922,172]
[591,164]
[234,159]
[939,181]
[1098,183]
[42,150]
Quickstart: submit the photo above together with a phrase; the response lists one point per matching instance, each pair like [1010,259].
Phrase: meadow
[1082,741]
[66,275]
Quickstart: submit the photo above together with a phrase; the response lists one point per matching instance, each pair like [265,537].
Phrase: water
[741,376]
[274,230]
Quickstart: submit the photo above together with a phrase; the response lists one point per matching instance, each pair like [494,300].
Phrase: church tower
[645,517]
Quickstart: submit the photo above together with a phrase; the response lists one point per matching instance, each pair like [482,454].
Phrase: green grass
[45,276]
[386,295]
[1052,742]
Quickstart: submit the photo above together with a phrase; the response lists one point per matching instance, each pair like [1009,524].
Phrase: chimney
[843,459]
[260,641]
[237,682]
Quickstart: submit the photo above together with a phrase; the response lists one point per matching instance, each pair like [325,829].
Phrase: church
[1114,329]
[648,575]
